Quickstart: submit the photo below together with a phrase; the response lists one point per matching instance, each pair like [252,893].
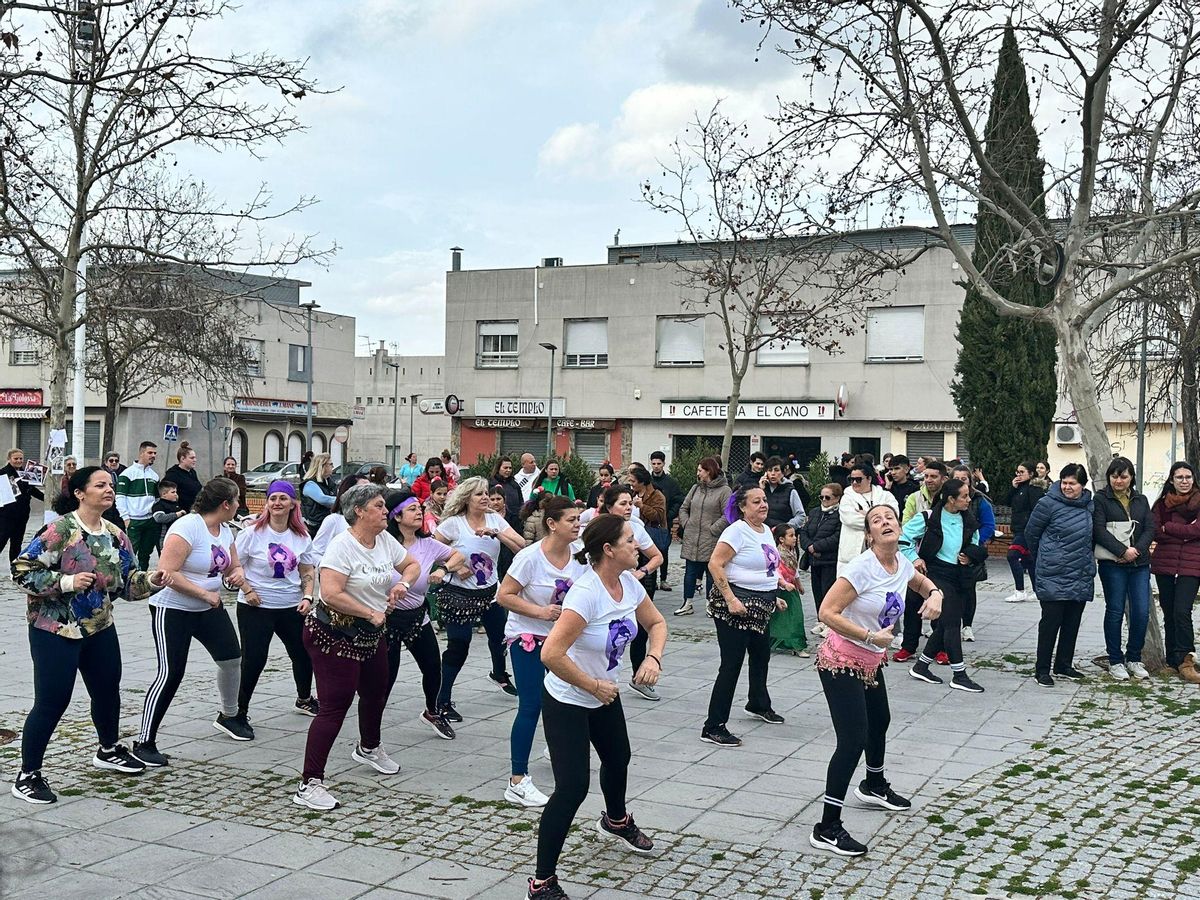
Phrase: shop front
[517,425]
[268,430]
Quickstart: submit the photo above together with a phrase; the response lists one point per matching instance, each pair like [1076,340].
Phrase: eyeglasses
[855,479]
[827,496]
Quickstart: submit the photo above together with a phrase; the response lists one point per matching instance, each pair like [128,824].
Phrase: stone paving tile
[149,863]
[372,865]
[304,885]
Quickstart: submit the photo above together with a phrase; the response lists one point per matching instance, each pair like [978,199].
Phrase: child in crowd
[787,626]
[433,506]
[166,509]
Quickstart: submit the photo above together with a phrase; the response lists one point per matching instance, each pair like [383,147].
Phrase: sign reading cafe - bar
[777,410]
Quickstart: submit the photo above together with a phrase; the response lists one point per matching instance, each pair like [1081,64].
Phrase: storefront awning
[23,412]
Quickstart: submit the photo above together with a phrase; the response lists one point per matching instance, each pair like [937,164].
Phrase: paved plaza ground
[1076,792]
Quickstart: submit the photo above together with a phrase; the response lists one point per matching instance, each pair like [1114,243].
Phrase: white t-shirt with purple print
[755,563]
[880,600]
[480,553]
[611,626]
[271,561]
[204,565]
[542,583]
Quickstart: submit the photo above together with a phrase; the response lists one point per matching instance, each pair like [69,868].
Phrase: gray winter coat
[1059,534]
[702,518]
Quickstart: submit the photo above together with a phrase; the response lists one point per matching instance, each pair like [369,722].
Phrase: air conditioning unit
[1068,433]
[181,419]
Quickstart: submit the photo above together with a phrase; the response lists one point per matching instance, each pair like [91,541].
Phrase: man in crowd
[753,475]
[137,492]
[918,503]
[783,503]
[902,484]
[14,517]
[525,477]
[674,497]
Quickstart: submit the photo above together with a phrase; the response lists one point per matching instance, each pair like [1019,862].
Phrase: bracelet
[307,597]
[870,634]
[656,659]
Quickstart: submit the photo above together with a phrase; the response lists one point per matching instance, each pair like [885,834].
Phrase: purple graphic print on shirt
[482,565]
[282,559]
[561,586]
[220,561]
[620,633]
[893,609]
[772,558]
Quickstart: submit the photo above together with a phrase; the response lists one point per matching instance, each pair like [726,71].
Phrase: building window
[370,401]
[680,341]
[586,344]
[497,347]
[23,351]
[255,364]
[91,442]
[783,352]
[237,448]
[924,443]
[896,334]
[295,447]
[381,401]
[297,362]
[318,443]
[272,447]
[358,401]
[393,403]
[592,447]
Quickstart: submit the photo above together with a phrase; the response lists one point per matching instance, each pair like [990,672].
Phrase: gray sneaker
[377,759]
[646,691]
[312,794]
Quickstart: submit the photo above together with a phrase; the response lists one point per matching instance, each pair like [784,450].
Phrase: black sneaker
[547,890]
[32,788]
[1044,679]
[767,715]
[449,713]
[835,839]
[148,753]
[119,760]
[439,724]
[235,726]
[308,706]
[1072,673]
[961,681]
[502,681]
[628,832]
[884,797]
[920,671]
[720,736]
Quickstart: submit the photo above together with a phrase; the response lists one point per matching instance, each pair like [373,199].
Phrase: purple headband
[282,487]
[731,508]
[399,507]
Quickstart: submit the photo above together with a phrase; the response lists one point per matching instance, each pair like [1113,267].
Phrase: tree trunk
[735,399]
[110,419]
[1189,405]
[1085,396]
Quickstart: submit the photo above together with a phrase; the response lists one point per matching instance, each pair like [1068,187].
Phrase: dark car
[360,468]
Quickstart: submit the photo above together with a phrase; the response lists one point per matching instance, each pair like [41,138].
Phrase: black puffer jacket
[1109,509]
[822,532]
[1022,500]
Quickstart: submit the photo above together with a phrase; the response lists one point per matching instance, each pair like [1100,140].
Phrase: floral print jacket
[65,548]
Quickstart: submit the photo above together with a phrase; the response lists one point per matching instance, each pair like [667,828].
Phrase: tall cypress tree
[1005,386]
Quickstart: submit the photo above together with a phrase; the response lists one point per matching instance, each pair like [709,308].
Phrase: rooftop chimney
[456,259]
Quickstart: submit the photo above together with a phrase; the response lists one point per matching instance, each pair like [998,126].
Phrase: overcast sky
[516,129]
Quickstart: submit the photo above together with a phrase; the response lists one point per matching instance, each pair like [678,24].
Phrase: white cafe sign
[774,410]
[520,407]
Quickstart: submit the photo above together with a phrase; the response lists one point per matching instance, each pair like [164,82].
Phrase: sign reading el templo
[510,407]
[777,410]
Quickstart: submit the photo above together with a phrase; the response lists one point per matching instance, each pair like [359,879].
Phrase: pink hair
[295,522]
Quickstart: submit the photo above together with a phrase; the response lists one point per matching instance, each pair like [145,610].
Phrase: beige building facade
[401,396]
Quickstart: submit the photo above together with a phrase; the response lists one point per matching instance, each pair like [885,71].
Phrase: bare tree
[749,259]
[92,96]
[896,98]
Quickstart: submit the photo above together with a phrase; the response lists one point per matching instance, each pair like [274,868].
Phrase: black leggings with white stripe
[860,719]
[173,631]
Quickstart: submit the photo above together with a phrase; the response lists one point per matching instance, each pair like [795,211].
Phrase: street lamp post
[412,403]
[550,405]
[309,306]
[395,411]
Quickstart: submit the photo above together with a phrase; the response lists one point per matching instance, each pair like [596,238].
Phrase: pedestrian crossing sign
[170,433]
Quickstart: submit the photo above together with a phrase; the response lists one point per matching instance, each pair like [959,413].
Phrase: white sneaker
[646,690]
[686,609]
[820,629]
[1137,670]
[525,793]
[312,794]
[376,759]
[1119,672]
[1015,597]
[897,642]
[968,634]
[1029,595]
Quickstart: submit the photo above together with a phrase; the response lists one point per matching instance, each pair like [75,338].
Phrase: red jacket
[1177,538]
[420,487]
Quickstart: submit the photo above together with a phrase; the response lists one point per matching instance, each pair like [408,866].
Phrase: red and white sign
[770,410]
[341,434]
[20,397]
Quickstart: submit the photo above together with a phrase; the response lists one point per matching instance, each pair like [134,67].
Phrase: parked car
[360,468]
[258,479]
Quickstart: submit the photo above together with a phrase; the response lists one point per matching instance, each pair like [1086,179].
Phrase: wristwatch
[307,597]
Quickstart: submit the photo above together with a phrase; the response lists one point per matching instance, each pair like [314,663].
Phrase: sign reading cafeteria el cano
[777,410]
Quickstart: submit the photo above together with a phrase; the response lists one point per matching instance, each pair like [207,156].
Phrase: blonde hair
[315,467]
[456,503]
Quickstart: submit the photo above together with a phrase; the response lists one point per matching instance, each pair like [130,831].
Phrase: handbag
[1123,532]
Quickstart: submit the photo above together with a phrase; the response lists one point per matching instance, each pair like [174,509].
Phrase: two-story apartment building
[401,396]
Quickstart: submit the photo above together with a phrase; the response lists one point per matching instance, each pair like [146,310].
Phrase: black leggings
[970,595]
[823,578]
[458,643]
[424,651]
[1059,624]
[569,729]
[947,628]
[56,659]
[173,631]
[257,625]
[1176,596]
[736,644]
[860,719]
[12,532]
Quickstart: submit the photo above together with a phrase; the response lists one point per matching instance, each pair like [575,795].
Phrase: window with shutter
[586,344]
[680,341]
[255,365]
[779,352]
[497,345]
[513,443]
[896,334]
[29,437]
[925,443]
[592,447]
[23,349]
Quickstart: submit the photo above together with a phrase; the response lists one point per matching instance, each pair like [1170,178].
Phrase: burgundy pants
[338,680]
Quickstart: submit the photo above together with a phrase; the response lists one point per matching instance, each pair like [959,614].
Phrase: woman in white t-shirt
[533,592]
[746,582]
[408,625]
[860,609]
[198,553]
[581,704]
[470,527]
[344,637]
[619,500]
[279,565]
